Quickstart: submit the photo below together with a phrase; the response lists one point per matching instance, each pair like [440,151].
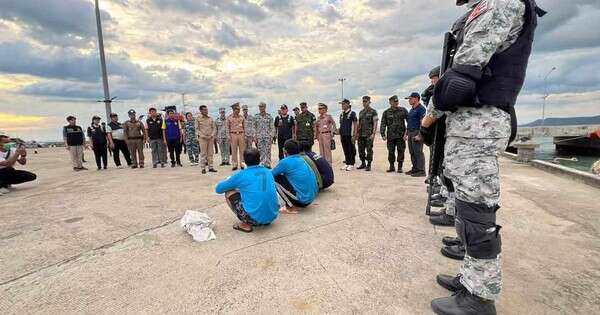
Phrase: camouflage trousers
[365,148]
[263,145]
[224,149]
[471,163]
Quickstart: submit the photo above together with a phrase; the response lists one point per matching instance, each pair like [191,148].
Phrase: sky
[219,52]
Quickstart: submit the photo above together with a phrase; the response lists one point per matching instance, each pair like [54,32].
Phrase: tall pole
[183,103]
[342,80]
[107,99]
[545,95]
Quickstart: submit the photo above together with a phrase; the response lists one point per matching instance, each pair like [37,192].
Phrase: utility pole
[342,80]
[107,100]
[545,95]
[183,102]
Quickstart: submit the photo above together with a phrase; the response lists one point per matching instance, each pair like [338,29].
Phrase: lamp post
[107,100]
[342,81]
[545,95]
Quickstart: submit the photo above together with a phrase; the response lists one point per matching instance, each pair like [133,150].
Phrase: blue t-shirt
[414,117]
[324,168]
[300,175]
[257,187]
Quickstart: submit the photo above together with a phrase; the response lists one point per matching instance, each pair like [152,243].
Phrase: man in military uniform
[264,130]
[477,94]
[393,129]
[285,125]
[249,127]
[367,129]
[135,136]
[236,125]
[222,136]
[305,126]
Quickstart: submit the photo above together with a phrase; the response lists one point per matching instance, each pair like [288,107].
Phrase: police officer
[96,132]
[286,128]
[393,130]
[264,130]
[477,95]
[367,129]
[135,136]
[74,142]
[222,136]
[236,125]
[305,126]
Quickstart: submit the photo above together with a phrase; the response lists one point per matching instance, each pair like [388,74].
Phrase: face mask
[9,146]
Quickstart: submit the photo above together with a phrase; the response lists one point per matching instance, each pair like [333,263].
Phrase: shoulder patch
[480,9]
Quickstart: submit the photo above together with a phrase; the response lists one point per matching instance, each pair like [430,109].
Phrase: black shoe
[141,166]
[162,165]
[154,165]
[362,166]
[463,303]
[134,166]
[368,168]
[451,241]
[410,172]
[391,169]
[451,283]
[203,171]
[212,170]
[179,164]
[222,164]
[437,213]
[437,203]
[172,164]
[242,167]
[399,167]
[456,252]
[442,220]
[105,167]
[418,174]
[234,168]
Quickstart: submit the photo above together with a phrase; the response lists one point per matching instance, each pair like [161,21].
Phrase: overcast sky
[278,51]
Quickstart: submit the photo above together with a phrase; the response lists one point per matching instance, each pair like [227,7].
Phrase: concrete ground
[110,242]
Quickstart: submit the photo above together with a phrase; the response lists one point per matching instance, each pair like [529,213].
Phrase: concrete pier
[109,242]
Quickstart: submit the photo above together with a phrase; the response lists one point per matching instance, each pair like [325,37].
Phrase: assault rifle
[436,157]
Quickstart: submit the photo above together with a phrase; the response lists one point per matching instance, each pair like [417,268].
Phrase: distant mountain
[569,121]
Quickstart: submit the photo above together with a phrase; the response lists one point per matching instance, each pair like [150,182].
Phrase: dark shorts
[287,192]
[236,206]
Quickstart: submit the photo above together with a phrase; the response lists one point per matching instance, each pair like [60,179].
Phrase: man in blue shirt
[295,181]
[324,169]
[251,193]
[415,143]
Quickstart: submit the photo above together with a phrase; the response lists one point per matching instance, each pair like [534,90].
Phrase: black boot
[391,169]
[362,165]
[399,167]
[442,220]
[451,283]
[368,168]
[437,213]
[456,252]
[450,241]
[437,202]
[463,303]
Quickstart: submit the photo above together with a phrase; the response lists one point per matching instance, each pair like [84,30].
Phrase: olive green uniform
[367,118]
[393,127]
[305,128]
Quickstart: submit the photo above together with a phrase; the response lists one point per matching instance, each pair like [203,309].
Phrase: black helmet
[435,72]
[95,118]
[461,2]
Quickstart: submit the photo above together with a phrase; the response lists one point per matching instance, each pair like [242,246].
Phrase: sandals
[239,228]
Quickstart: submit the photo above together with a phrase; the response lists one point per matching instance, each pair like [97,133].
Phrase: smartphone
[9,146]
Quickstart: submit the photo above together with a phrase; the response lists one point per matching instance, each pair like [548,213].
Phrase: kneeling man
[319,165]
[295,181]
[251,193]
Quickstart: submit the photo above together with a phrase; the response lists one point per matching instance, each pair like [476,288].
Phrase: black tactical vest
[505,72]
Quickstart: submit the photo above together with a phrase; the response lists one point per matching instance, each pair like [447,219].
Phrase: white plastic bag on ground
[199,225]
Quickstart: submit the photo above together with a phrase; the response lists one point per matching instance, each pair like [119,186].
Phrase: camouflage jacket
[263,126]
[367,118]
[393,121]
[221,128]
[305,125]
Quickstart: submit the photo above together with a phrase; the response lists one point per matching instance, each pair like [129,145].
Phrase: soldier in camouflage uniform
[393,129]
[305,126]
[191,139]
[367,129]
[264,131]
[249,126]
[478,94]
[222,133]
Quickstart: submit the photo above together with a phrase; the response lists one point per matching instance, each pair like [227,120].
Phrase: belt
[236,132]
[135,138]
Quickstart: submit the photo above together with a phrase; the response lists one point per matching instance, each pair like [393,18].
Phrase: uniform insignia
[480,9]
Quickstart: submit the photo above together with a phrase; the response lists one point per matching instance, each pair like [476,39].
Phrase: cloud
[238,8]
[210,53]
[330,13]
[229,37]
[65,22]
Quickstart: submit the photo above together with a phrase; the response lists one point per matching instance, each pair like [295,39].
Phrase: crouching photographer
[10,154]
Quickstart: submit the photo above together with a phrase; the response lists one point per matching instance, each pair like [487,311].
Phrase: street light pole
[545,95]
[107,100]
[342,80]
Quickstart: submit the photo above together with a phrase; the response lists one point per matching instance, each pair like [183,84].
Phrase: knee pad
[476,227]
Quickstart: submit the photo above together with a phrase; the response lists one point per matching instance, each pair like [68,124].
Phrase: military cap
[435,72]
[262,104]
[283,106]
[114,115]
[413,94]
[322,105]
[151,109]
[394,98]
[70,118]
[221,109]
[96,117]
[366,98]
[235,105]
[130,112]
[345,101]
[245,107]
[303,104]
